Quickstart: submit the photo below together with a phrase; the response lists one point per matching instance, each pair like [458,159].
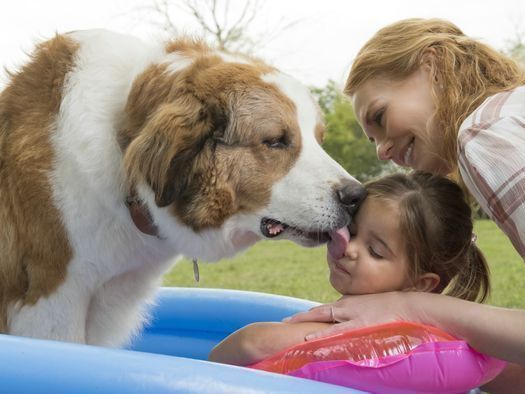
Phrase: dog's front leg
[59,316]
[119,308]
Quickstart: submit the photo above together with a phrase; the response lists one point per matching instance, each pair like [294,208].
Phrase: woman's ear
[428,59]
[428,63]
[426,282]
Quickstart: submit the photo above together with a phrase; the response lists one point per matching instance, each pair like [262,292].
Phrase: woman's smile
[407,154]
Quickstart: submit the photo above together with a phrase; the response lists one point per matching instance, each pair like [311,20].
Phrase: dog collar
[141,216]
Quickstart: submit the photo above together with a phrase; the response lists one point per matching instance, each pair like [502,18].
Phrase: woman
[433,99]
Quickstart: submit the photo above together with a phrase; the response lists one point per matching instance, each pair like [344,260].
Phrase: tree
[227,26]
[516,49]
[345,141]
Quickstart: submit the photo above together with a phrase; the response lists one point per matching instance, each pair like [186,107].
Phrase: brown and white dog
[117,155]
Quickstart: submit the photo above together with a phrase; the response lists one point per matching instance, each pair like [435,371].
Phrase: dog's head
[229,148]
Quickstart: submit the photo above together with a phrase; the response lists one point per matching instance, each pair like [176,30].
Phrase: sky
[320,45]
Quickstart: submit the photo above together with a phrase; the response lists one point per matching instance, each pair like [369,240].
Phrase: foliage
[515,47]
[344,140]
[280,267]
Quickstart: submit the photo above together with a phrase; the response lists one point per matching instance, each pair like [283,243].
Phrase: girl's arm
[258,341]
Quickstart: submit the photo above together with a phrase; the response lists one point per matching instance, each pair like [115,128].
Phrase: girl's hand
[363,310]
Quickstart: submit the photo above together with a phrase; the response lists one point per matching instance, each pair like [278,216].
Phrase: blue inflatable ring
[167,358]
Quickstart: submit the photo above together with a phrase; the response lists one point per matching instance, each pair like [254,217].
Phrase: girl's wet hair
[435,221]
[466,70]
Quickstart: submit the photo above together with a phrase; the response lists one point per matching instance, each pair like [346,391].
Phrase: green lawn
[285,268]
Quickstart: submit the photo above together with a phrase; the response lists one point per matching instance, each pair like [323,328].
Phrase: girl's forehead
[380,216]
[378,207]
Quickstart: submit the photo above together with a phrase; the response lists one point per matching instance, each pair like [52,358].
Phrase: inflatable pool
[170,355]
[167,358]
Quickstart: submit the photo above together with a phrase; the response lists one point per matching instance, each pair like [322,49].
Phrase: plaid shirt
[491,149]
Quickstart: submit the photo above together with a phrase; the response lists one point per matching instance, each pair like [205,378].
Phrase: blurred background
[315,41]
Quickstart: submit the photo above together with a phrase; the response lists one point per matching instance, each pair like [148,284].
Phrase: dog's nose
[351,194]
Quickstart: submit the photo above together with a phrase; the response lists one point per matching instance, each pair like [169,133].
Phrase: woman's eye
[373,253]
[378,117]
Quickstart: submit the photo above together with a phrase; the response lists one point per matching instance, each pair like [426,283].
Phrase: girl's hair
[436,223]
[468,70]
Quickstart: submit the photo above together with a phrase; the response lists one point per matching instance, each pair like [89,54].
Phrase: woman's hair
[468,70]
[436,223]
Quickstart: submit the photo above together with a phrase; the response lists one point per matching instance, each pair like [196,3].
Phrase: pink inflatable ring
[396,358]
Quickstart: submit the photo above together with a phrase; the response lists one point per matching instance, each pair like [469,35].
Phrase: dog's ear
[168,152]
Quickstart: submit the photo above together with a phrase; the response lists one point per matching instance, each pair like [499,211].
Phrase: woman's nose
[384,149]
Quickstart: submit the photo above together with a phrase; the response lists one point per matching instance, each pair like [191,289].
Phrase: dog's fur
[203,145]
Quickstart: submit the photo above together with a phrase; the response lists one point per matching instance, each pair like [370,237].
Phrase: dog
[117,156]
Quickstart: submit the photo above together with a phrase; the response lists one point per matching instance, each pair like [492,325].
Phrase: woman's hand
[495,331]
[362,310]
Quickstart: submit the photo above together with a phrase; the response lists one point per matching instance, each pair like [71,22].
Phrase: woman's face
[398,116]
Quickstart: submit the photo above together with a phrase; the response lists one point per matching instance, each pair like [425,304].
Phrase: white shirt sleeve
[491,152]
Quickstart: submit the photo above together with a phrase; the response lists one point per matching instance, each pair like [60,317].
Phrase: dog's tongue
[338,242]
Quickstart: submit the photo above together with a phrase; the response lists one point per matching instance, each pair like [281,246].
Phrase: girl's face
[398,116]
[375,260]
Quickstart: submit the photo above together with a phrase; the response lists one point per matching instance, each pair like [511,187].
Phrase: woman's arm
[499,332]
[511,380]
[258,341]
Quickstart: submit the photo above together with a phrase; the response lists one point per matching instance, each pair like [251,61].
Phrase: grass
[287,269]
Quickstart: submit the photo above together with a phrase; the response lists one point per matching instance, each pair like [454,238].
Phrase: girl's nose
[351,250]
[384,149]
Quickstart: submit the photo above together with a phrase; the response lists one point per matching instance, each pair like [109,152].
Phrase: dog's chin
[276,230]
[223,246]
[244,239]
[310,241]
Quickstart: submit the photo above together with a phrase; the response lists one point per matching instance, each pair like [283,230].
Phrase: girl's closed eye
[374,253]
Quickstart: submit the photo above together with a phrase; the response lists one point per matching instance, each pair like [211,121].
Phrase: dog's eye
[276,143]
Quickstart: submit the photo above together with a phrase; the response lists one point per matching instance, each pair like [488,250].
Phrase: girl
[431,98]
[412,233]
